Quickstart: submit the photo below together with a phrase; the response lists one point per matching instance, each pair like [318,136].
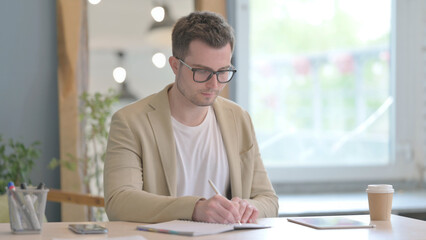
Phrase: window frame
[408,115]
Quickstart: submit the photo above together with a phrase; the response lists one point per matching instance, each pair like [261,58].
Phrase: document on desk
[191,228]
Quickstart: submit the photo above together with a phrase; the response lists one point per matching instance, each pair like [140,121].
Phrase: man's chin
[205,103]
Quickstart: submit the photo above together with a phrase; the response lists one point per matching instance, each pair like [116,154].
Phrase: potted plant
[16,163]
[95,116]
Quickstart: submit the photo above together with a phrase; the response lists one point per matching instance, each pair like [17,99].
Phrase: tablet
[334,222]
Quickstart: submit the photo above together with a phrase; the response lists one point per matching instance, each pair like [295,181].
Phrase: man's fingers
[222,210]
[248,212]
[231,210]
[240,204]
[218,209]
[254,216]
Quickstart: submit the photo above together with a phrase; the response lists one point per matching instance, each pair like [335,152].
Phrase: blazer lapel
[163,132]
[228,128]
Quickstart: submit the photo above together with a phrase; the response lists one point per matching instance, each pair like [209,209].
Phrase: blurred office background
[335,88]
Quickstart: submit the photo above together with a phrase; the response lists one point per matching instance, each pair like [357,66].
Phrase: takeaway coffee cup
[380,201]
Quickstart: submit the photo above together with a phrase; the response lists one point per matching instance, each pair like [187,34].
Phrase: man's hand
[217,209]
[247,211]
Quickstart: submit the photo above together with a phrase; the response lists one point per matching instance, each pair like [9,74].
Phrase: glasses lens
[225,76]
[201,75]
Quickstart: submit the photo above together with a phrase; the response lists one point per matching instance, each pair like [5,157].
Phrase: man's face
[203,56]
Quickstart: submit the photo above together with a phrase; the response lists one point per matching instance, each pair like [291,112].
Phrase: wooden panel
[55,195]
[72,70]
[217,6]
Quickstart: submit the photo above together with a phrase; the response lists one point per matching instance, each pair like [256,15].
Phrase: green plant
[16,162]
[95,113]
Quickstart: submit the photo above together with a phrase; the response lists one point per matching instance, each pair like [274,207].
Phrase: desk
[321,204]
[398,228]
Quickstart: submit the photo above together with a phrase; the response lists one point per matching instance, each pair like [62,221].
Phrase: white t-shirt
[200,156]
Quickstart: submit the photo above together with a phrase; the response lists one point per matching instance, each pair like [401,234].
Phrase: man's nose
[213,82]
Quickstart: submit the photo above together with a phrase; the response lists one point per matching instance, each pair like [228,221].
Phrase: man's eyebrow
[209,68]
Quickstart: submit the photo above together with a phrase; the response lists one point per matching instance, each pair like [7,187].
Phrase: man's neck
[184,111]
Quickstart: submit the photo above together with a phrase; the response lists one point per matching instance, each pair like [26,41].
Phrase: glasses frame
[194,70]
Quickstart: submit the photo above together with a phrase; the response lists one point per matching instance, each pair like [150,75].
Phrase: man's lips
[208,94]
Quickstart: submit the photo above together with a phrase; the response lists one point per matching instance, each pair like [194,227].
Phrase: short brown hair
[208,27]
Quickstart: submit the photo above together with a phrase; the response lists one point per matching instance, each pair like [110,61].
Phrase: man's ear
[174,64]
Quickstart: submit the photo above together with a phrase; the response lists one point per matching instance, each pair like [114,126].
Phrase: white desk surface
[347,203]
[398,228]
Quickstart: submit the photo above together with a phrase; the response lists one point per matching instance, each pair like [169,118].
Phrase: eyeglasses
[201,75]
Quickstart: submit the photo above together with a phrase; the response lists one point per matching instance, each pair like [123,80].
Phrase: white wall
[124,25]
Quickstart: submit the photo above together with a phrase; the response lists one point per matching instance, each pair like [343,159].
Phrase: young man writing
[163,149]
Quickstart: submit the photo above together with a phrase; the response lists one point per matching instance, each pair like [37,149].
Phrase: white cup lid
[380,188]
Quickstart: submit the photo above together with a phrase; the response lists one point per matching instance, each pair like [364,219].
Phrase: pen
[15,216]
[21,206]
[214,188]
[218,193]
[28,202]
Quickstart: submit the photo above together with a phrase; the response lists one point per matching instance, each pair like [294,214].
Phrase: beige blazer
[140,165]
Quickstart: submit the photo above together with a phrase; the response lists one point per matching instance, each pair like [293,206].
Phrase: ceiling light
[159,60]
[94,2]
[158,14]
[119,74]
[162,18]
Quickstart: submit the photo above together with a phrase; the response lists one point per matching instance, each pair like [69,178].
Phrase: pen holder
[26,209]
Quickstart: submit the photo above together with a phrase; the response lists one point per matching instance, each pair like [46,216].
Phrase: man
[163,149]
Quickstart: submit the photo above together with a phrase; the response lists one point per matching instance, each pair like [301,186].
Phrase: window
[331,87]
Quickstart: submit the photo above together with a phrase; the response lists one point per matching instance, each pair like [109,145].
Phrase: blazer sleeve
[125,197]
[255,178]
